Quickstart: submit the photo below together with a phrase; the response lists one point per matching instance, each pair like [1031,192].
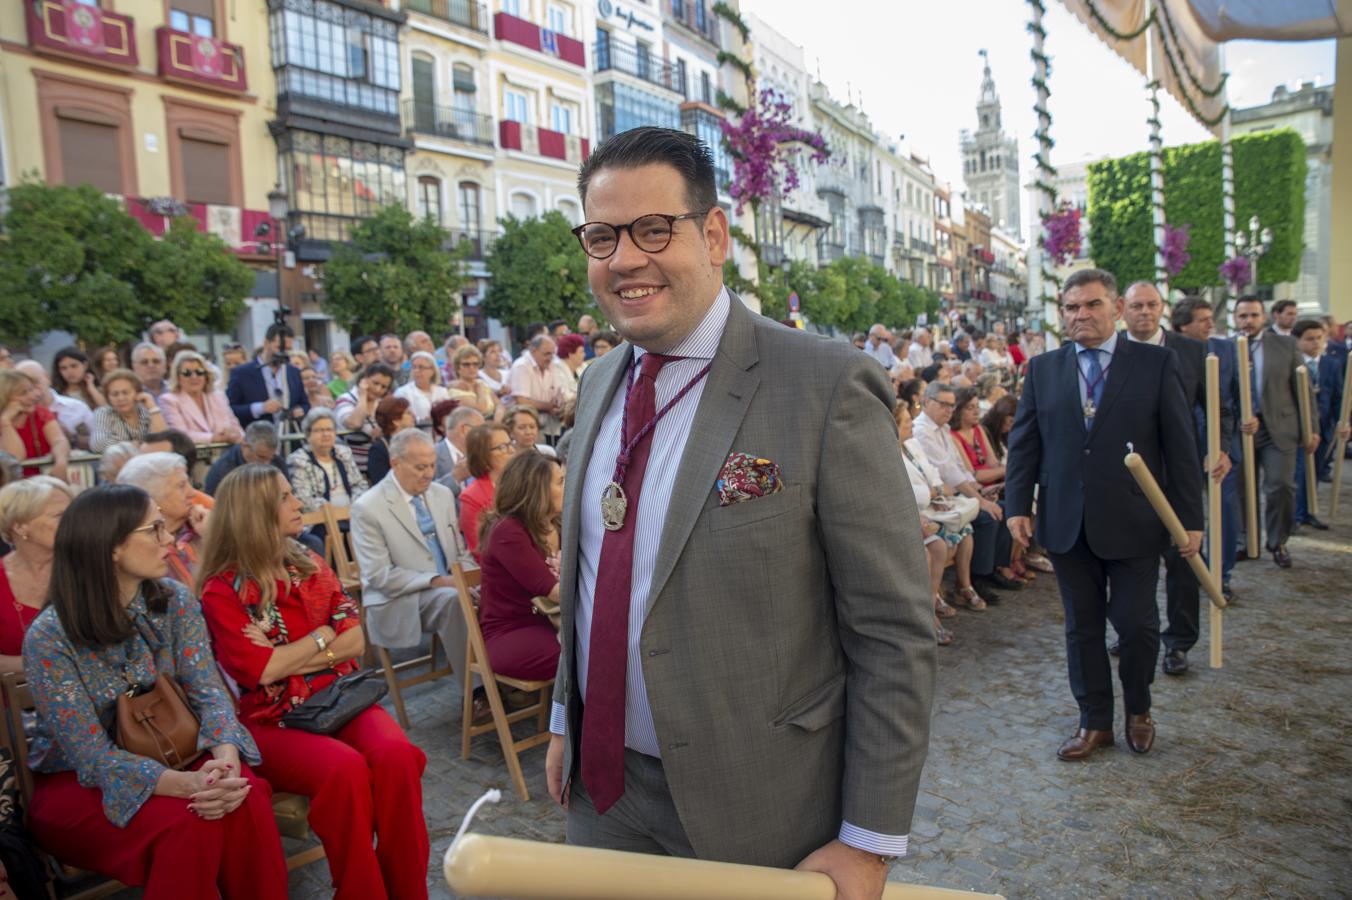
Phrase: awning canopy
[1267,20]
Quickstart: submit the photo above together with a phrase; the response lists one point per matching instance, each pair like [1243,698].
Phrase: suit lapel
[1119,372]
[722,406]
[401,510]
[1069,376]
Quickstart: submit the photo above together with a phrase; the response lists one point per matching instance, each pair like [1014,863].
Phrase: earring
[21,535]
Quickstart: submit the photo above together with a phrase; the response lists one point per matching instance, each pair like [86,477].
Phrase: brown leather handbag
[159,724]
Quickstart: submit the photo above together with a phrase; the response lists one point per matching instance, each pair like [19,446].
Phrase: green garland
[741,65]
[724,101]
[1119,35]
[1205,92]
[730,15]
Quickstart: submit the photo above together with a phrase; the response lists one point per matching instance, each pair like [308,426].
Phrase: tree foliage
[1269,183]
[395,275]
[539,273]
[73,258]
[849,294]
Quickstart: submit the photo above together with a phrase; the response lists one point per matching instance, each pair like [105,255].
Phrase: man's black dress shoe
[1241,555]
[1316,524]
[1175,662]
[1281,557]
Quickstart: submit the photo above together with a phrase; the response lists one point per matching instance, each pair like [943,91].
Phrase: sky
[913,66]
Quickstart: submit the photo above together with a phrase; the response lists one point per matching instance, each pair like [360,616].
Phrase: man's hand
[1250,427]
[1312,442]
[1021,529]
[271,406]
[1344,432]
[1222,467]
[554,770]
[858,874]
[1194,545]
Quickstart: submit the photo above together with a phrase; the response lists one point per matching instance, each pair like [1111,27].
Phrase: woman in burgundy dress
[30,510]
[519,540]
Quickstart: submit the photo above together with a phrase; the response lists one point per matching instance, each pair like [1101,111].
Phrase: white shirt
[882,353]
[1105,359]
[920,357]
[527,380]
[421,404]
[1157,338]
[992,360]
[70,414]
[939,448]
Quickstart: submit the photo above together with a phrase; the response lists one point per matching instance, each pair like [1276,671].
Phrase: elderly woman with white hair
[164,476]
[323,471]
[114,458]
[424,389]
[30,510]
[194,406]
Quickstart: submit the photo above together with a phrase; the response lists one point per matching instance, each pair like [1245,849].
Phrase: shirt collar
[703,341]
[1157,338]
[408,498]
[1109,346]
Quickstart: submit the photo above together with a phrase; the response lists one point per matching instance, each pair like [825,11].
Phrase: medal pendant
[614,504]
[1089,409]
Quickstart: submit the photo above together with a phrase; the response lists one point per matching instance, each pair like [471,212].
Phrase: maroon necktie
[608,651]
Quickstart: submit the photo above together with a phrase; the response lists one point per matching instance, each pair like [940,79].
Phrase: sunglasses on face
[192,373]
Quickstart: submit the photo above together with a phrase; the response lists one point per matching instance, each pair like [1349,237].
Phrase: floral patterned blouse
[76,689]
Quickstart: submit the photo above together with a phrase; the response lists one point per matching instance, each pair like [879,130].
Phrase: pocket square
[747,477]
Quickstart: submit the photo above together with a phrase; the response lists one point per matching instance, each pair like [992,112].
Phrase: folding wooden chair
[319,517]
[476,662]
[345,566]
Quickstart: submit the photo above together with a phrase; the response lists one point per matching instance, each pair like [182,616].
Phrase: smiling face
[657,299]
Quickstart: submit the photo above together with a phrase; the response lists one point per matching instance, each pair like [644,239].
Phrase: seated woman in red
[519,537]
[30,511]
[488,448]
[283,629]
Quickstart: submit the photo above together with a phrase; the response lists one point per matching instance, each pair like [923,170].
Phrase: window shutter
[204,8]
[206,171]
[92,153]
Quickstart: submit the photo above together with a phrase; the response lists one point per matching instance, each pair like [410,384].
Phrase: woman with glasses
[488,449]
[193,405]
[164,476]
[323,471]
[468,388]
[114,624]
[30,511]
[424,386]
[72,377]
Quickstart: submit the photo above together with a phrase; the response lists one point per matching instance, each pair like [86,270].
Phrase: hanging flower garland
[762,143]
[1061,234]
[1237,273]
[1176,254]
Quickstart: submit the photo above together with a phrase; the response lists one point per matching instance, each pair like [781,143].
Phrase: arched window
[468,201]
[570,211]
[463,83]
[523,206]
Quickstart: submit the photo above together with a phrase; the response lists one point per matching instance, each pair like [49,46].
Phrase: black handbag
[342,701]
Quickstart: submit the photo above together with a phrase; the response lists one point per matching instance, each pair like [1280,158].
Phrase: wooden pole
[1341,447]
[1307,429]
[478,865]
[1250,477]
[1141,472]
[1213,442]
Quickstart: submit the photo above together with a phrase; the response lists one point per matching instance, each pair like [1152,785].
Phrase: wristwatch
[319,639]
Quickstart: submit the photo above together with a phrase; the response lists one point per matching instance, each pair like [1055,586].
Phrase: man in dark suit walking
[1142,311]
[1081,406]
[269,387]
[1326,386]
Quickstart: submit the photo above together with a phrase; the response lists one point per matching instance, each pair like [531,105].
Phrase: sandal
[1039,562]
[942,636]
[969,598]
[942,609]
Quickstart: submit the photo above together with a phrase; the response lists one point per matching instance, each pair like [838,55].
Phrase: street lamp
[277,210]
[1254,245]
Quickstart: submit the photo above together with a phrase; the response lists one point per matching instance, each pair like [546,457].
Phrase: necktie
[429,532]
[608,651]
[1093,380]
[1253,376]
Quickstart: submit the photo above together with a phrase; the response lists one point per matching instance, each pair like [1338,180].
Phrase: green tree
[538,271]
[196,276]
[71,259]
[395,275]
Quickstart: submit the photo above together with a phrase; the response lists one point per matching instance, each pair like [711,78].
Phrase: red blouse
[512,572]
[473,501]
[15,617]
[33,433]
[230,603]
[979,453]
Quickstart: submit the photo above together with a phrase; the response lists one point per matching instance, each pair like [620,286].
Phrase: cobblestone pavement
[1248,791]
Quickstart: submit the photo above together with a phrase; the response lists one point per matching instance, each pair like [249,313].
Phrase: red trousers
[166,848]
[364,782]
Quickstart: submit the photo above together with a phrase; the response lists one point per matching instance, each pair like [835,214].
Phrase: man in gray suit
[405,539]
[748,644]
[1273,360]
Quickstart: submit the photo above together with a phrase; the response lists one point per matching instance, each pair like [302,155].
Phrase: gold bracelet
[333,660]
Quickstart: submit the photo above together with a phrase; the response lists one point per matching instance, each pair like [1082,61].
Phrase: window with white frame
[429,198]
[512,7]
[523,206]
[570,211]
[561,117]
[560,20]
[515,106]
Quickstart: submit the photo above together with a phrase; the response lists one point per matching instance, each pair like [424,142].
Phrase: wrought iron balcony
[448,122]
[464,13]
[623,58]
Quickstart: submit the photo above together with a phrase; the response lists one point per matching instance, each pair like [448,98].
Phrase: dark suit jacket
[1229,365]
[1327,385]
[1080,474]
[247,387]
[788,647]
[1192,372]
[1338,350]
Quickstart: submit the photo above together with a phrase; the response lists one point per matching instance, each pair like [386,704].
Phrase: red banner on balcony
[84,25]
[69,28]
[509,134]
[201,60]
[552,143]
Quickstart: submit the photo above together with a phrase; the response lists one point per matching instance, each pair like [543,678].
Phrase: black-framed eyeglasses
[651,233]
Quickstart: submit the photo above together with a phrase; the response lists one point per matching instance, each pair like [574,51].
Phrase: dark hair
[440,410]
[276,330]
[963,397]
[1090,276]
[522,493]
[648,145]
[609,337]
[1281,305]
[908,392]
[83,587]
[59,383]
[1251,298]
[358,343]
[479,447]
[1185,311]
[388,412]
[1304,325]
[535,328]
[554,325]
[994,421]
[376,368]
[930,373]
[176,439]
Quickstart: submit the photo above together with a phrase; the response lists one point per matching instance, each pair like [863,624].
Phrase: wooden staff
[1214,449]
[1141,472]
[1250,478]
[478,865]
[1341,447]
[1306,429]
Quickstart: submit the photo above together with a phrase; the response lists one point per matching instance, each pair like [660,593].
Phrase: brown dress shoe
[1140,732]
[1083,743]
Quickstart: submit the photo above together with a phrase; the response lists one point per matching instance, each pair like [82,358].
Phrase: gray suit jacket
[396,565]
[1281,415]
[788,648]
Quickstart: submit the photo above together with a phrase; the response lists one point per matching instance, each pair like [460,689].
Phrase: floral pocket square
[747,477]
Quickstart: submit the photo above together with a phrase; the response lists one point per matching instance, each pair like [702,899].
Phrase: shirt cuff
[558,718]
[881,844]
[256,410]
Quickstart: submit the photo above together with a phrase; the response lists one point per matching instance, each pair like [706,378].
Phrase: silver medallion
[614,504]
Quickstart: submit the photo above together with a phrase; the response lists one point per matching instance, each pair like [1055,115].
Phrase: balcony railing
[81,31]
[479,242]
[542,142]
[610,56]
[448,122]
[200,60]
[828,252]
[464,13]
[507,27]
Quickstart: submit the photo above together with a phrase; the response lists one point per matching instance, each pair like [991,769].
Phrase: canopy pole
[1156,158]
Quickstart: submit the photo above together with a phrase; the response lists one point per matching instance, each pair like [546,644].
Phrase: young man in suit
[1081,406]
[748,640]
[269,387]
[1326,384]
[1142,310]
[1276,422]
